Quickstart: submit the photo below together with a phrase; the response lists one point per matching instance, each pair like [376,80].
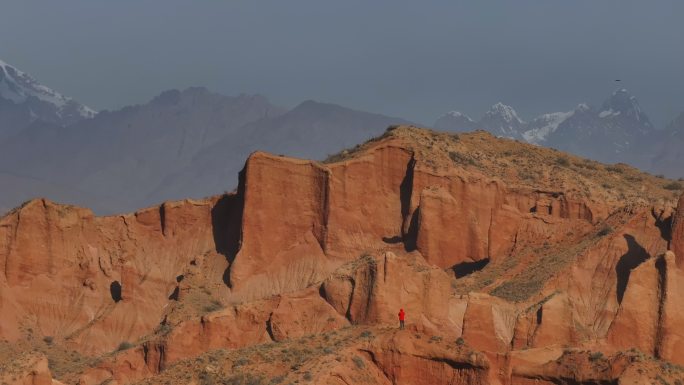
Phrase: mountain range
[189,143]
[617,132]
[192,143]
[23,100]
[509,266]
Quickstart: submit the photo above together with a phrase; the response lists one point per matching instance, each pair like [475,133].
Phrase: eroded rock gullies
[95,282]
[677,237]
[506,264]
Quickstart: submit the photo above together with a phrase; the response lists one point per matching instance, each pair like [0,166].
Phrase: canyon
[515,264]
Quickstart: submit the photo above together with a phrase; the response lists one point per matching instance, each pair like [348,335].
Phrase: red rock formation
[102,280]
[650,316]
[469,250]
[489,323]
[677,237]
[372,291]
[303,314]
[548,324]
[405,359]
[284,217]
[27,370]
[367,200]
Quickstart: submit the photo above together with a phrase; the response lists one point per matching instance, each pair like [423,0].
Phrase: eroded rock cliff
[515,264]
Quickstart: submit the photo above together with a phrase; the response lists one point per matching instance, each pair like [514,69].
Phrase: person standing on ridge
[402,315]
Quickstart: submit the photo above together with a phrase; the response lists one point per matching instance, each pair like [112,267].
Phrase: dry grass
[286,362]
[530,281]
[523,165]
[63,363]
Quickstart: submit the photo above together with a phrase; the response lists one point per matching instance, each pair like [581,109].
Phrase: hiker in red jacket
[401,318]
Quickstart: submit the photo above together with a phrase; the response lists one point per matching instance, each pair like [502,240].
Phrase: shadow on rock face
[466,268]
[634,257]
[226,222]
[115,291]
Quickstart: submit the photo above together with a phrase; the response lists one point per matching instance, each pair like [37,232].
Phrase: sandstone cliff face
[96,282]
[507,271]
[677,238]
[407,360]
[373,290]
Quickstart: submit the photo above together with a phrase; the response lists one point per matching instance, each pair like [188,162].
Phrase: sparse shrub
[589,165]
[460,341]
[242,379]
[605,230]
[392,127]
[435,338]
[595,356]
[562,161]
[277,380]
[358,362]
[165,329]
[327,350]
[661,176]
[48,339]
[366,334]
[455,137]
[673,186]
[214,305]
[518,290]
[241,362]
[528,174]
[124,346]
[308,376]
[306,352]
[459,158]
[614,169]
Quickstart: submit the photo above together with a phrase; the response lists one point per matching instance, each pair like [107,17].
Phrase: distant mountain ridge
[23,100]
[618,131]
[189,143]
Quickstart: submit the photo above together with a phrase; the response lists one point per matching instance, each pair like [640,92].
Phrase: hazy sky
[414,59]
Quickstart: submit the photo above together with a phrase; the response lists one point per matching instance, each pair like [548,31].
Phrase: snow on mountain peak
[455,114]
[455,121]
[621,102]
[459,114]
[544,125]
[18,86]
[506,112]
[582,107]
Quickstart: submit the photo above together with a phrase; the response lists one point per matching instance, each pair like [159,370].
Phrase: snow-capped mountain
[539,129]
[626,106]
[502,120]
[23,100]
[669,149]
[609,134]
[455,121]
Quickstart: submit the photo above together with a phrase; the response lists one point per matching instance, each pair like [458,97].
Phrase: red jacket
[401,315]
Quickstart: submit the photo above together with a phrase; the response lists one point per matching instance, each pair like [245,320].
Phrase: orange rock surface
[513,268]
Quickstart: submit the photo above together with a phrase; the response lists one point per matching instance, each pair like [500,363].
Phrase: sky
[412,59]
